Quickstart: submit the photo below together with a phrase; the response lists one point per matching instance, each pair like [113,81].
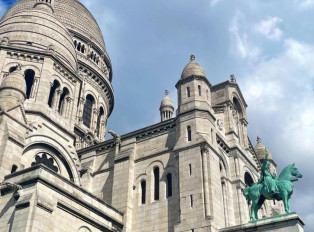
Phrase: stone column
[204,153]
[80,110]
[67,109]
[241,205]
[34,88]
[56,99]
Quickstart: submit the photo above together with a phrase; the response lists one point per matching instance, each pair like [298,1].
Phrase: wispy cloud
[240,40]
[270,28]
[214,2]
[305,3]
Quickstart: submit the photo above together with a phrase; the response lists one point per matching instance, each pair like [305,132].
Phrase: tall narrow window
[79,46]
[75,43]
[13,169]
[169,185]
[156,184]
[87,112]
[101,113]
[188,92]
[207,94]
[191,200]
[190,169]
[53,89]
[61,106]
[199,91]
[189,133]
[29,78]
[143,192]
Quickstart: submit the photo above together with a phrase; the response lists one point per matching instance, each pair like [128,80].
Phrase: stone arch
[84,229]
[246,169]
[224,161]
[62,151]
[235,96]
[33,67]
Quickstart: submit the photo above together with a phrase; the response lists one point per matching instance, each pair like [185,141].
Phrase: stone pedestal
[279,223]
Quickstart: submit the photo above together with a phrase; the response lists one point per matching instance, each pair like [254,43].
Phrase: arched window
[188,92]
[75,43]
[52,93]
[13,169]
[29,78]
[189,133]
[101,113]
[61,106]
[169,185]
[12,69]
[156,184]
[143,192]
[88,109]
[199,91]
[248,180]
[83,49]
[79,46]
[45,160]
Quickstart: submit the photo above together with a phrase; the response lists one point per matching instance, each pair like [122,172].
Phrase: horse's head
[296,174]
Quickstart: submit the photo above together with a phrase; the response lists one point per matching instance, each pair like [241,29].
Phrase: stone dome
[166,102]
[73,14]
[260,150]
[193,69]
[39,30]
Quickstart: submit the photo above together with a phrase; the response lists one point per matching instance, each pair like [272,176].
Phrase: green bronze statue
[271,188]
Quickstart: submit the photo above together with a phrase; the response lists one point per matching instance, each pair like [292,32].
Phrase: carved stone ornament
[5,41]
[220,124]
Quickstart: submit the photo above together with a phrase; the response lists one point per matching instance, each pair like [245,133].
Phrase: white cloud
[281,91]
[240,40]
[269,28]
[214,2]
[305,3]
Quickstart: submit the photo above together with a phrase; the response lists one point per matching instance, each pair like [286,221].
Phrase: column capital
[204,149]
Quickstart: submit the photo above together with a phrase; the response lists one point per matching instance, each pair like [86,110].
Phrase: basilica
[57,172]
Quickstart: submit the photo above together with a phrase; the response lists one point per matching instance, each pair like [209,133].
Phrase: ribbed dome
[166,102]
[193,69]
[260,150]
[72,14]
[42,31]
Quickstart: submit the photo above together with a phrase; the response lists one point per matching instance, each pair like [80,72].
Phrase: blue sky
[268,45]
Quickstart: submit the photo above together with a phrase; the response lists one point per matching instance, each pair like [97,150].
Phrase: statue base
[285,222]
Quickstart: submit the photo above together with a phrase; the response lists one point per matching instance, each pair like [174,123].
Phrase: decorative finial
[258,139]
[166,92]
[233,79]
[192,57]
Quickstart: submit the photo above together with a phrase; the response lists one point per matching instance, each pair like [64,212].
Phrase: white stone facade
[185,173]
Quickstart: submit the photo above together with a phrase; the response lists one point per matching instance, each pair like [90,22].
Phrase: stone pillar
[80,111]
[34,88]
[204,153]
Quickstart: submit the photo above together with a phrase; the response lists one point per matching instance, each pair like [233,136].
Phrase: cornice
[192,78]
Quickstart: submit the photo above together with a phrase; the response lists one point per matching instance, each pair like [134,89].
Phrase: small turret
[44,5]
[166,107]
[13,89]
